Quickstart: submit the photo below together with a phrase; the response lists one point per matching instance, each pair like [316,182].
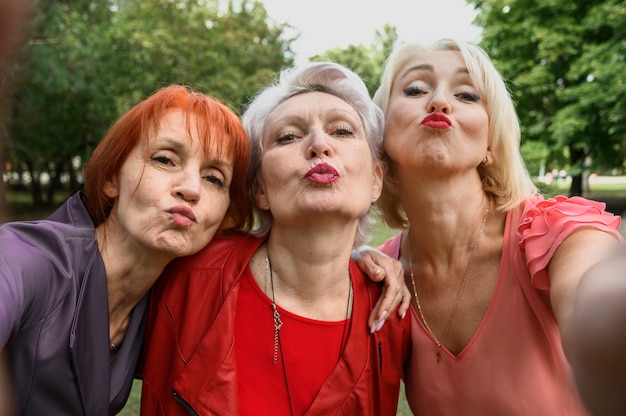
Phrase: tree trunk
[576,158]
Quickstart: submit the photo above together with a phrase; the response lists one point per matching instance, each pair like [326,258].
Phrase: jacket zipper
[186,405]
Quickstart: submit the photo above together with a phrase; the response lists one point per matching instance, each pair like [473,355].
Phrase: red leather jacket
[190,363]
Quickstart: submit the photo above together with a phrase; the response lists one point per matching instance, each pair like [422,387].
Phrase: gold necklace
[458,296]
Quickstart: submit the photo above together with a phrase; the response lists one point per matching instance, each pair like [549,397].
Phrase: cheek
[397,125]
[478,127]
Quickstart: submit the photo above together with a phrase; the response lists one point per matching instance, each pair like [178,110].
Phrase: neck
[312,264]
[311,283]
[129,273]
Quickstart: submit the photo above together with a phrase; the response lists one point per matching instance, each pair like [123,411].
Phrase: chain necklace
[278,323]
[458,296]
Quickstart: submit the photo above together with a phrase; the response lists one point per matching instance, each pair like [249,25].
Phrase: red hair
[220,133]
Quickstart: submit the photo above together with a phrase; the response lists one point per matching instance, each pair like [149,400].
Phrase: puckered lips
[322,174]
[437,121]
[182,215]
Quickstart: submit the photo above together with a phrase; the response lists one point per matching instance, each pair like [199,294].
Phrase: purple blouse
[54,318]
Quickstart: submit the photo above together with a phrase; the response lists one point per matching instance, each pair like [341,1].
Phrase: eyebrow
[217,160]
[429,68]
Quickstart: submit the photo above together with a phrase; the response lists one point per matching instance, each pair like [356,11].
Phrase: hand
[380,267]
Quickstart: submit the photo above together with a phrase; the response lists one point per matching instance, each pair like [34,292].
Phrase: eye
[163,160]
[215,179]
[344,131]
[413,91]
[286,137]
[469,97]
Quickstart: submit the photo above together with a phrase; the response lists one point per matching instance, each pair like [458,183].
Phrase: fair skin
[318,179]
[599,336]
[169,202]
[436,162]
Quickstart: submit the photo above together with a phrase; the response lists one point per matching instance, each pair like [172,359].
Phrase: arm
[380,267]
[598,336]
[588,301]
[577,254]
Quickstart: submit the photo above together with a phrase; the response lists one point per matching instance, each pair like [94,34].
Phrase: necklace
[458,296]
[114,348]
[278,323]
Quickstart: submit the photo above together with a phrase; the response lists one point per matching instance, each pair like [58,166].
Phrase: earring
[373,196]
[265,204]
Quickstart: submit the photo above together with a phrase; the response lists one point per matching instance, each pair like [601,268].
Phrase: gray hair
[327,77]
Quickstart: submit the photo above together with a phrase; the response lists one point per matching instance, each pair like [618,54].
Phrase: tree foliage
[565,63]
[368,61]
[89,61]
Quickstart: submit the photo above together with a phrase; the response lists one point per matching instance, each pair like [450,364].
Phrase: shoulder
[40,265]
[224,248]
[212,270]
[391,247]
[541,225]
[560,216]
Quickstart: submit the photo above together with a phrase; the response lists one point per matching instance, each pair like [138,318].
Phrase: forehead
[183,129]
[450,62]
[315,101]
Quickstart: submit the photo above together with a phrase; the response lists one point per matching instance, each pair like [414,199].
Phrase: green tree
[565,64]
[367,61]
[89,61]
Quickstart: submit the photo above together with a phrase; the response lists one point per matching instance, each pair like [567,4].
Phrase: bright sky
[326,24]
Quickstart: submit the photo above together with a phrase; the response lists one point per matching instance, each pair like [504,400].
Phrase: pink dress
[514,364]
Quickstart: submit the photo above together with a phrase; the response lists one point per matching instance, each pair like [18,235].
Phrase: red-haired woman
[168,174]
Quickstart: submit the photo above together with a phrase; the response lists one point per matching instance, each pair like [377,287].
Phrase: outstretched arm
[598,337]
[588,295]
[380,267]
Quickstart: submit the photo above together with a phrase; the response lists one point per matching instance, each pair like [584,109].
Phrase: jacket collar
[212,368]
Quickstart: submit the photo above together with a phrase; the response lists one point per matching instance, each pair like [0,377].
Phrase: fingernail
[380,324]
[403,315]
[384,316]
[377,272]
[374,325]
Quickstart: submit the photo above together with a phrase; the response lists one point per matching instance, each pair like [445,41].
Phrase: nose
[187,185]
[439,102]
[319,144]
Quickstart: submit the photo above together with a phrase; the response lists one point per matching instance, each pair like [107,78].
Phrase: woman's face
[436,119]
[316,161]
[170,198]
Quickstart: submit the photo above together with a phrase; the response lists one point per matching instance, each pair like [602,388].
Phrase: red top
[191,364]
[261,383]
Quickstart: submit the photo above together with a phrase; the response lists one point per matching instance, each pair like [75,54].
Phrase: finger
[390,298]
[371,268]
[405,304]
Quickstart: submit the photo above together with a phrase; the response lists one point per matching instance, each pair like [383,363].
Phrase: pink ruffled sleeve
[547,222]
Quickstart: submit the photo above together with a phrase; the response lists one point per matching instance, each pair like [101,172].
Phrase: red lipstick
[182,215]
[322,174]
[437,121]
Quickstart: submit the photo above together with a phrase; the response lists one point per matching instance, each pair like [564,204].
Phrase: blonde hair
[506,179]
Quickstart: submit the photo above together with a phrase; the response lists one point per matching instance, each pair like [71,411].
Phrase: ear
[377,184]
[111,187]
[489,156]
[260,197]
